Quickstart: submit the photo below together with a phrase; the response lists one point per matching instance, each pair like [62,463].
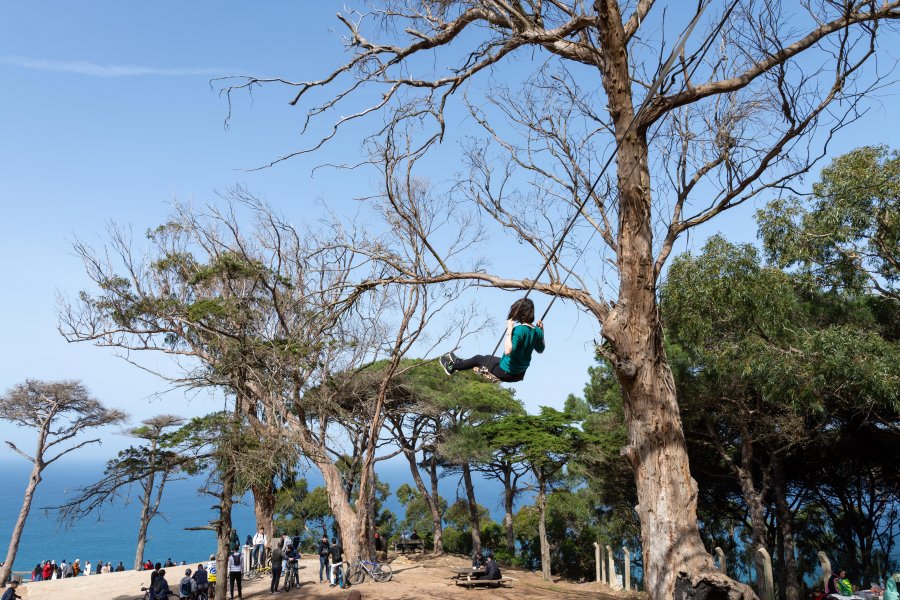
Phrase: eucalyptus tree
[60,412]
[846,233]
[696,127]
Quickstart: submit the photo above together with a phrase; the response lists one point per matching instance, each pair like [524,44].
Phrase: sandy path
[421,577]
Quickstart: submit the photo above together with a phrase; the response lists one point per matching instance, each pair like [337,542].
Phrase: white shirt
[259,538]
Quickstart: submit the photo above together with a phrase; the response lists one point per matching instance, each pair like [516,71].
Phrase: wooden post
[627,568]
[721,556]
[826,569]
[765,560]
[613,580]
[603,578]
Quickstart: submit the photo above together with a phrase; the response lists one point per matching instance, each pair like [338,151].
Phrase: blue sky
[106,113]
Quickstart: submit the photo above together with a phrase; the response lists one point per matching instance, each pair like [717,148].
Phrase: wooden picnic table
[403,546]
[467,572]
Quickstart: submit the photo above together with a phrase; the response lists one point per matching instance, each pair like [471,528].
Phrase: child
[518,344]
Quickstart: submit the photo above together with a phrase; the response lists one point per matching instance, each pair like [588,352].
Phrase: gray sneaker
[446,362]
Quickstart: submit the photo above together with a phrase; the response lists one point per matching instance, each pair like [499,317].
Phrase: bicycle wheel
[356,575]
[382,573]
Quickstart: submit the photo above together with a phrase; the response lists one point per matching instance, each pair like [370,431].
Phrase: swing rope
[651,94]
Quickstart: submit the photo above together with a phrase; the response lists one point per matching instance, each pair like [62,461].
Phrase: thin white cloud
[81,67]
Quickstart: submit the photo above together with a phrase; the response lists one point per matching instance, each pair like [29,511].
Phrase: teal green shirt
[525,340]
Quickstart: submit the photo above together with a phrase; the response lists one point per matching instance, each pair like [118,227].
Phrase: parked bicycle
[257,572]
[377,571]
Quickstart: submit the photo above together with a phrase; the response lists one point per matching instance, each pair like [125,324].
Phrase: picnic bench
[404,546]
[468,577]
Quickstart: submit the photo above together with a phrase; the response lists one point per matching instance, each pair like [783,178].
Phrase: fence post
[604,578]
[597,559]
[721,556]
[613,580]
[768,583]
[627,568]
[826,569]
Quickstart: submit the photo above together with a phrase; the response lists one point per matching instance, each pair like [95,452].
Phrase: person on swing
[518,344]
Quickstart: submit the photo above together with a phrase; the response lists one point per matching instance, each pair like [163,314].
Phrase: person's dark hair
[522,311]
[162,573]
[158,566]
[187,572]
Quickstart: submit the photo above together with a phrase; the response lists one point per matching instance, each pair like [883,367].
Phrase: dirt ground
[417,577]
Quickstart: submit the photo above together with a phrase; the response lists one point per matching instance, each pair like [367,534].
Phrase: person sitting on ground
[838,584]
[10,593]
[337,561]
[76,567]
[491,568]
[518,344]
[68,571]
[200,578]
[890,588]
[160,586]
[169,563]
[119,567]
[187,587]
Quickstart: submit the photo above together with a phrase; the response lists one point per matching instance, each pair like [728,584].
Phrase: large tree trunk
[474,520]
[542,527]
[792,588]
[676,565]
[508,499]
[264,507]
[145,520]
[430,501]
[13,549]
[223,531]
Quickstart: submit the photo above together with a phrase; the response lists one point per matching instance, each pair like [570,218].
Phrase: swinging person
[518,344]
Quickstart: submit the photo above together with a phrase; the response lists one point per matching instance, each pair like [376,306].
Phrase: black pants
[276,577]
[491,363]
[232,577]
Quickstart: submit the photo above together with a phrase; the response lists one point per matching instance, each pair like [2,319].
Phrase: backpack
[236,559]
[186,588]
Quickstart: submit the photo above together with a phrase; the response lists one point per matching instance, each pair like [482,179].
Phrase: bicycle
[377,571]
[262,568]
[291,575]
[258,572]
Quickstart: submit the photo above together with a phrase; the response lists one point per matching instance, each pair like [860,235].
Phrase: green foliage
[848,234]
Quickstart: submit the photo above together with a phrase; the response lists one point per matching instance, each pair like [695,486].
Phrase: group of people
[51,570]
[331,561]
[838,584]
[192,585]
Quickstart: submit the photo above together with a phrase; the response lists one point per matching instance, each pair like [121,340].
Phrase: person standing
[87,568]
[259,545]
[77,567]
[99,567]
[235,571]
[68,571]
[276,569]
[324,550]
[337,560]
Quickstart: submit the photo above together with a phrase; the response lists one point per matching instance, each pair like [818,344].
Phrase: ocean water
[112,535]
